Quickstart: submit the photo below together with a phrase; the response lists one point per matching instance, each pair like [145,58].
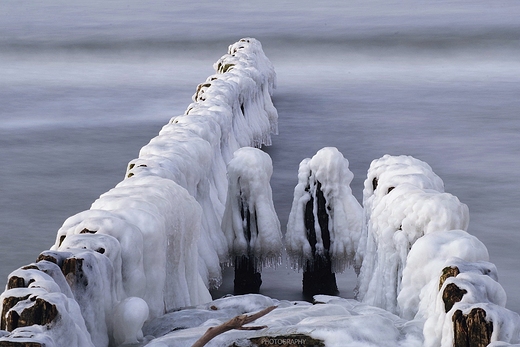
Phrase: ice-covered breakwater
[325,221]
[409,246]
[419,262]
[154,242]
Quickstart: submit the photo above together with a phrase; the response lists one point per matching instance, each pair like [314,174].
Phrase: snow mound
[333,321]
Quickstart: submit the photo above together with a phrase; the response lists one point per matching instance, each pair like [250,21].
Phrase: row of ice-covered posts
[155,243]
[408,244]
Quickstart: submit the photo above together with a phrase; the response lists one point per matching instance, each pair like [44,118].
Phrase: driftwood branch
[234,323]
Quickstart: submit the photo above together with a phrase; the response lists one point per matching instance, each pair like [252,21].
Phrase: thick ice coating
[426,260]
[130,237]
[232,109]
[250,221]
[326,173]
[403,204]
[136,268]
[154,242]
[383,175]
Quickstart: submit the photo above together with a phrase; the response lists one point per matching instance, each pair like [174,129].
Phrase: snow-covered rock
[331,322]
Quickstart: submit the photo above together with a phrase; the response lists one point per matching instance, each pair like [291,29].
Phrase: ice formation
[418,260]
[324,176]
[40,307]
[250,222]
[403,202]
[129,317]
[447,272]
[118,272]
[232,109]
[428,256]
[154,242]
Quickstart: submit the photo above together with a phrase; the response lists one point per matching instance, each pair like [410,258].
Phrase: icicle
[325,220]
[250,221]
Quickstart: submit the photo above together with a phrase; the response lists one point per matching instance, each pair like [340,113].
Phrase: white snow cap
[250,221]
[329,172]
[66,329]
[426,260]
[464,258]
[406,204]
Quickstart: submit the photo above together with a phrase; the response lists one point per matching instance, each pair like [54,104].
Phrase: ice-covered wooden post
[250,221]
[160,228]
[325,221]
[403,200]
[449,285]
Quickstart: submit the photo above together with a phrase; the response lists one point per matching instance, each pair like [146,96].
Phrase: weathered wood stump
[447,272]
[8,303]
[56,257]
[15,282]
[318,277]
[39,313]
[247,279]
[72,269]
[471,330]
[452,294]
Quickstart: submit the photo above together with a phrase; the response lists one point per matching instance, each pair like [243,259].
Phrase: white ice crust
[250,209]
[330,170]
[155,243]
[407,203]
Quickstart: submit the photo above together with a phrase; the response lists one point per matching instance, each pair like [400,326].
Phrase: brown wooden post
[318,277]
[247,278]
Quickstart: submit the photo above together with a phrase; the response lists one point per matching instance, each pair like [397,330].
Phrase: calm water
[85,86]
